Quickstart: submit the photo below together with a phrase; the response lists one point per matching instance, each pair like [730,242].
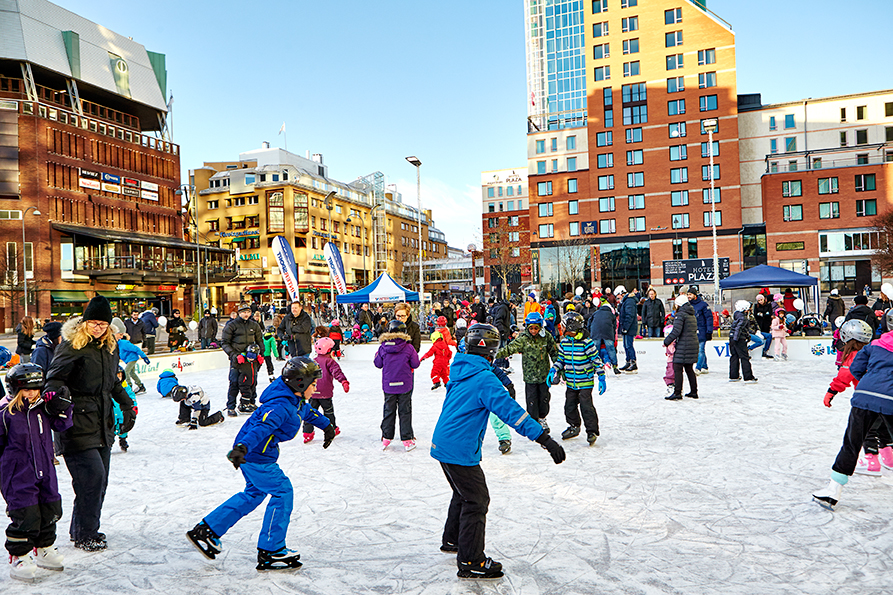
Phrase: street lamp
[710,126]
[328,203]
[24,270]
[413,160]
[188,190]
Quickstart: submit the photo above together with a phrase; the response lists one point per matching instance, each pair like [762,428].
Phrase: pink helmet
[336,322]
[778,297]
[324,345]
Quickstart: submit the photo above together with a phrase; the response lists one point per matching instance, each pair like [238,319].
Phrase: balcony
[822,159]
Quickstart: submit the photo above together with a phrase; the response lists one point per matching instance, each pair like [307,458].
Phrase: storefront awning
[69,296]
[265,290]
[127,295]
[131,238]
[237,218]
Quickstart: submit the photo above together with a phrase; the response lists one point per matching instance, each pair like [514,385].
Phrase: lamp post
[710,126]
[24,270]
[328,203]
[418,180]
[188,190]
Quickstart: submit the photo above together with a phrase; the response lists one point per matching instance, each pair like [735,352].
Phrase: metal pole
[713,222]
[418,179]
[198,256]
[328,203]
[24,270]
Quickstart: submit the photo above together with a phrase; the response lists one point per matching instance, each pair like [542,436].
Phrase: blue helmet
[5,356]
[534,318]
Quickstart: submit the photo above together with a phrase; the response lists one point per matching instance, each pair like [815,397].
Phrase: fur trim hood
[391,336]
[70,328]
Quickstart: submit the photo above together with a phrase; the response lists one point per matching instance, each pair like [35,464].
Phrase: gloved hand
[147,361]
[555,449]
[346,386]
[260,359]
[828,396]
[602,385]
[553,378]
[56,401]
[129,419]
[240,359]
[511,390]
[237,455]
[328,435]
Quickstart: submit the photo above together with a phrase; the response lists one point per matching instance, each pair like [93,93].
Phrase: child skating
[739,354]
[194,408]
[397,359]
[119,415]
[271,351]
[255,454]
[27,475]
[473,393]
[321,399]
[248,365]
[779,331]
[440,371]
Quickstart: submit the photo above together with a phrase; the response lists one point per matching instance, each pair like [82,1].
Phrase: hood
[885,341]
[835,297]
[687,307]
[70,327]
[394,342]
[167,374]
[278,390]
[465,365]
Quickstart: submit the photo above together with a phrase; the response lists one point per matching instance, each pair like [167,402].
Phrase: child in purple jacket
[321,400]
[397,359]
[27,476]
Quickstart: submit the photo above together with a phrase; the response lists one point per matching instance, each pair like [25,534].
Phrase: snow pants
[260,479]
[669,375]
[860,423]
[130,375]
[440,372]
[394,405]
[537,400]
[198,414]
[33,526]
[577,402]
[739,357]
[467,515]
[878,437]
[326,407]
[89,470]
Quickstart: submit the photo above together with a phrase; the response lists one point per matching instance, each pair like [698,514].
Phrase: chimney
[317,157]
[265,145]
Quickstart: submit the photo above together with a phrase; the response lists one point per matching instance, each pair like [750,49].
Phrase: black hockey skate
[205,540]
[487,569]
[284,559]
[591,437]
[122,442]
[505,446]
[570,432]
[247,407]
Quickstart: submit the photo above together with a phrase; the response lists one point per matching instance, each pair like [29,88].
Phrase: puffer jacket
[396,358]
[414,332]
[295,328]
[653,313]
[535,353]
[331,371]
[835,307]
[602,325]
[239,334]
[130,352]
[24,343]
[704,317]
[628,314]
[167,381]
[43,352]
[873,370]
[579,361]
[472,394]
[763,315]
[739,329]
[207,327]
[91,375]
[685,334]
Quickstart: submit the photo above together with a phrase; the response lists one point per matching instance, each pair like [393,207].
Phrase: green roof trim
[73,48]
[159,65]
[68,296]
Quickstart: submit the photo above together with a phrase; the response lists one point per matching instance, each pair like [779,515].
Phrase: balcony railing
[116,265]
[808,161]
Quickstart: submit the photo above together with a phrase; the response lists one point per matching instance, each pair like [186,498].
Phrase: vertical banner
[336,267]
[535,266]
[285,259]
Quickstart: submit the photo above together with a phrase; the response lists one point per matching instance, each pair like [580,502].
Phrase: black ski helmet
[270,330]
[573,323]
[253,348]
[179,393]
[299,373]
[24,377]
[483,340]
[396,326]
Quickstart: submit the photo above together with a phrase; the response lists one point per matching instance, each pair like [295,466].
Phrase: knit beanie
[860,300]
[98,309]
[53,330]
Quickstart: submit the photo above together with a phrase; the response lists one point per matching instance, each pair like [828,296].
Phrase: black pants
[198,416]
[394,405]
[268,359]
[32,526]
[149,344]
[233,390]
[579,401]
[504,339]
[861,421]
[89,470]
[739,357]
[467,516]
[324,405]
[878,437]
[537,400]
[677,378]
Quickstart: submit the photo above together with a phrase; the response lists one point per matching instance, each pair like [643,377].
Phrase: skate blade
[24,579]
[53,568]
[207,553]
[264,568]
[824,504]
[467,576]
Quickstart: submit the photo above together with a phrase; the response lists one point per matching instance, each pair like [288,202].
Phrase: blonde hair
[17,402]
[82,337]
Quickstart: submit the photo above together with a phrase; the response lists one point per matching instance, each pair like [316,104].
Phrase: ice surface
[707,496]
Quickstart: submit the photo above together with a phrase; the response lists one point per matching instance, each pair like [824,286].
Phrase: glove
[328,435]
[237,455]
[555,449]
[57,401]
[602,385]
[260,359]
[553,378]
[828,396]
[240,359]
[346,386]
[147,360]
[511,390]
[129,419]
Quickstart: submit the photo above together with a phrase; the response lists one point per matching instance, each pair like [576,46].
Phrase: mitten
[129,419]
[57,401]
[147,360]
[240,359]
[346,386]
[237,455]
[602,385]
[260,359]
[828,396]
[328,435]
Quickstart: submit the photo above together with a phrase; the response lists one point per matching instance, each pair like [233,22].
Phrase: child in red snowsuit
[440,371]
[336,336]
[441,327]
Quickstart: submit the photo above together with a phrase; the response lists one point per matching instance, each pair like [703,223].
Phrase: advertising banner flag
[336,267]
[285,260]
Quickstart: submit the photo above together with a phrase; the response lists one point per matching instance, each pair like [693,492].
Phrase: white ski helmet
[838,322]
[681,300]
[856,329]
[619,290]
[742,306]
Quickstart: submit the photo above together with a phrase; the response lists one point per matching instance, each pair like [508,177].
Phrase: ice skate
[869,465]
[673,397]
[735,379]
[205,540]
[509,370]
[829,496]
[308,437]
[247,408]
[385,443]
[449,548]
[591,437]
[751,381]
[632,368]
[616,369]
[192,425]
[435,386]
[22,568]
[272,378]
[93,544]
[140,390]
[623,368]
[505,446]
[487,569]
[181,422]
[48,558]
[570,432]
[409,445]
[886,456]
[670,390]
[544,424]
[122,442]
[284,559]
[232,413]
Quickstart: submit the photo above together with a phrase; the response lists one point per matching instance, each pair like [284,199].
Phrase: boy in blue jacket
[472,394]
[256,450]
[129,354]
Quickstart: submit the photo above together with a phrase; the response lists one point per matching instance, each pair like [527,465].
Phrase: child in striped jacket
[579,362]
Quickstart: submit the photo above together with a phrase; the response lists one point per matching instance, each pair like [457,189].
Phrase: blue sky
[368,83]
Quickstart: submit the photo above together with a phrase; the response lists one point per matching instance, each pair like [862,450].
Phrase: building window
[629,24]
[604,139]
[603,73]
[772,125]
[706,80]
[540,167]
[789,121]
[574,228]
[635,179]
[708,103]
[573,207]
[816,163]
[631,68]
[829,210]
[637,224]
[706,57]
[631,46]
[544,188]
[828,186]
[717,195]
[707,218]
[865,182]
[636,202]
[705,172]
[599,6]
[637,114]
[554,165]
[862,137]
[673,38]
[491,208]
[633,135]
[628,3]
[675,107]
[843,139]
[888,109]
[540,148]
[513,221]
[572,186]
[692,248]
[672,16]
[602,50]
[705,149]
[609,118]
[677,249]
[571,143]
[275,213]
[678,153]
[790,144]
[675,84]
[509,190]
[635,157]
[634,92]
[793,212]
[546,230]
[862,159]
[773,146]
[677,129]
[607,226]
[606,204]
[861,112]
[680,221]
[545,209]
[605,160]
[792,188]
[599,29]
[249,178]
[492,223]
[888,133]
[674,61]
[213,204]
[866,207]
[679,198]
[679,175]
[214,225]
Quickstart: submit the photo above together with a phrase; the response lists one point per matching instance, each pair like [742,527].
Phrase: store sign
[249,257]
[318,257]
[130,182]
[124,287]
[237,234]
[167,288]
[88,183]
[111,179]
[90,175]
[113,188]
[128,191]
[151,186]
[588,228]
[693,271]
[149,195]
[535,266]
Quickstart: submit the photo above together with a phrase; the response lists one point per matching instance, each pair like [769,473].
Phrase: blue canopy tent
[768,276]
[383,289]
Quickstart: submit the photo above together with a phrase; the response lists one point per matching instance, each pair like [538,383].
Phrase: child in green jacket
[270,351]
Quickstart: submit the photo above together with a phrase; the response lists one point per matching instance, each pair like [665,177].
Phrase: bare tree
[504,254]
[12,288]
[882,257]
[574,257]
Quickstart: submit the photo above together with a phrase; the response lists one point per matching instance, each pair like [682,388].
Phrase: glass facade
[564,268]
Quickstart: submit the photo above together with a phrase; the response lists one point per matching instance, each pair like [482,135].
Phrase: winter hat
[242,307]
[619,290]
[207,312]
[175,311]
[441,321]
[570,308]
[435,336]
[460,323]
[835,292]
[465,303]
[336,322]
[532,296]
[681,300]
[860,300]
[53,330]
[693,289]
[99,308]
[324,345]
[118,326]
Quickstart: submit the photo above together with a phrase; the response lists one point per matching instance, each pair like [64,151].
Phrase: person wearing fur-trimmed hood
[397,359]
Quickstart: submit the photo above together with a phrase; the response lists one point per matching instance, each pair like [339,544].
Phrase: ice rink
[706,496]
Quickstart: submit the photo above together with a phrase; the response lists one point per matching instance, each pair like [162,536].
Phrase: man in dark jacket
[762,313]
[237,336]
[135,328]
[46,346]
[150,325]
[704,316]
[861,311]
[685,334]
[449,313]
[297,329]
[602,331]
[882,304]
[502,320]
[207,329]
[629,325]
[653,313]
[402,313]
[364,316]
[479,311]
[834,309]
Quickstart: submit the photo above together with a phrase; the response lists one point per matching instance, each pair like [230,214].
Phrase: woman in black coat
[85,370]
[653,313]
[25,339]
[685,334]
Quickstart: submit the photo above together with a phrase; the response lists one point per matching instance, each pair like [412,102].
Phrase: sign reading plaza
[693,271]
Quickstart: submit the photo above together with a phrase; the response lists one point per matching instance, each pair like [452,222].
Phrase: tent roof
[767,276]
[383,289]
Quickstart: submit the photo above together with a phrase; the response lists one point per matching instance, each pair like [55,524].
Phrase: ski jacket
[704,317]
[447,335]
[653,313]
[602,325]
[502,319]
[238,334]
[270,348]
[397,359]
[873,369]
[43,353]
[863,312]
[135,329]
[579,361]
[835,307]
[441,353]
[472,394]
[414,332]
[628,315]
[91,375]
[778,329]
[176,326]
[479,312]
[248,370]
[298,329]
[167,381]
[685,334]
[26,455]
[331,371]
[150,322]
[535,353]
[129,352]
[278,419]
[24,343]
[531,306]
[739,329]
[763,315]
[844,377]
[207,327]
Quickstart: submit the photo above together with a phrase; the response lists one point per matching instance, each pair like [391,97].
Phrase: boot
[22,568]
[232,413]
[616,370]
[829,496]
[632,368]
[570,432]
[625,367]
[869,465]
[122,442]
[886,456]
[591,437]
[308,436]
[486,569]
[48,558]
[505,447]
[436,386]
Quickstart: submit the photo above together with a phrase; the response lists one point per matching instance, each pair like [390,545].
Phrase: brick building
[506,231]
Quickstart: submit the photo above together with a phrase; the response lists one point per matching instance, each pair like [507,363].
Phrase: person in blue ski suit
[255,453]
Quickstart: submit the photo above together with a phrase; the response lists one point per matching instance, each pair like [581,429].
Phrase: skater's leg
[734,360]
[677,378]
[49,513]
[692,378]
[130,375]
[185,412]
[544,397]
[669,377]
[744,355]
[612,352]
[502,430]
[22,532]
[571,407]
[271,480]
[857,428]
[628,347]
[531,393]
[268,359]
[89,479]
[328,410]
[404,411]
[590,417]
[233,388]
[222,518]
[471,486]
[309,427]
[389,416]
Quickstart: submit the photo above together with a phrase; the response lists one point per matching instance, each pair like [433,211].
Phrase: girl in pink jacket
[321,400]
[779,331]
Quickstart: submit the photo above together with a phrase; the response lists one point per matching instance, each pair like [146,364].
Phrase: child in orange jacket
[440,371]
